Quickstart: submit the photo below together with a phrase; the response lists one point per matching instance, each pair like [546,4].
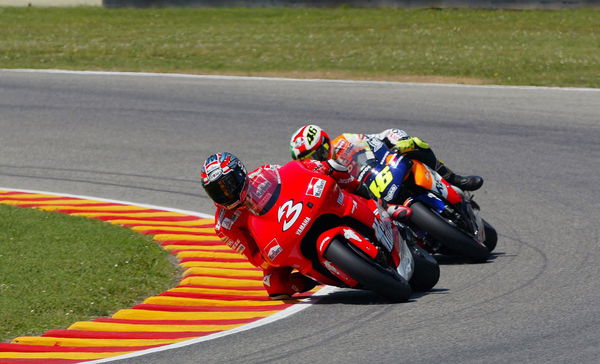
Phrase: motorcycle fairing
[295,212]
[293,203]
[476,226]
[352,237]
[431,180]
[387,176]
[428,199]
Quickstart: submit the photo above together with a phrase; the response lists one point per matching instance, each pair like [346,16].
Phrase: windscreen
[263,190]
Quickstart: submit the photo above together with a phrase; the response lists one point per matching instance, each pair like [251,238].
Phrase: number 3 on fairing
[381,181]
[291,213]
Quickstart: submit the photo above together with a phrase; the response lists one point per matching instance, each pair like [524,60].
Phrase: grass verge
[547,48]
[56,269]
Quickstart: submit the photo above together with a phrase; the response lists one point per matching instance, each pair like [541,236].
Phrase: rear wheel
[427,270]
[384,281]
[449,236]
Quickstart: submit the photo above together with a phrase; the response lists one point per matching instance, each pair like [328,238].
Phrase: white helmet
[310,142]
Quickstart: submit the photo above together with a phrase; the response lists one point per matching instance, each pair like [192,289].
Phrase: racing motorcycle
[303,219]
[445,218]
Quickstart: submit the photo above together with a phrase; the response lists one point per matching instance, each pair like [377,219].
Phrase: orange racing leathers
[232,227]
[397,139]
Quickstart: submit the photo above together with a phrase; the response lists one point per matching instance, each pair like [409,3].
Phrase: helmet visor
[226,191]
[319,154]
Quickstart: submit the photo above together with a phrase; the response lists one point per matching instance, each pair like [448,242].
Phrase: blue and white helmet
[224,180]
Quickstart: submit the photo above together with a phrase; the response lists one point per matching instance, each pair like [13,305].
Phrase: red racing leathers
[231,226]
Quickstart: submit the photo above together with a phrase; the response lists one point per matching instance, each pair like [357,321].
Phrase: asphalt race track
[143,138]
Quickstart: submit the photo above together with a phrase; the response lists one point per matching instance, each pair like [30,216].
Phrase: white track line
[279,79]
[264,321]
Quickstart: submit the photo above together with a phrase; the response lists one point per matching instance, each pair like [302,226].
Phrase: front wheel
[491,237]
[427,270]
[385,282]
[449,236]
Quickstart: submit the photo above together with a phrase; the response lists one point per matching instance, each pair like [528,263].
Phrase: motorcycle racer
[226,181]
[312,142]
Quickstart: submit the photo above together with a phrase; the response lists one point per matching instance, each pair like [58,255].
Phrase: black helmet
[224,179]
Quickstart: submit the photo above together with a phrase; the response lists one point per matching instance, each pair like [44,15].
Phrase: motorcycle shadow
[444,259]
[348,296]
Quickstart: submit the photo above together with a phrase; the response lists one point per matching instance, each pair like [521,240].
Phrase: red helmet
[310,142]
[224,180]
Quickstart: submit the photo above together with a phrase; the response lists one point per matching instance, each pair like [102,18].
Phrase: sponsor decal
[219,218]
[354,205]
[375,143]
[396,161]
[267,280]
[273,249]
[303,225]
[395,135]
[232,244]
[330,267]
[214,175]
[255,173]
[315,187]
[392,160]
[226,222]
[340,198]
[236,245]
[390,195]
[350,234]
[364,171]
[289,213]
[383,233]
[343,181]
[223,237]
[439,186]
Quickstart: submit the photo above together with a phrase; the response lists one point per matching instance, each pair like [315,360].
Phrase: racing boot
[399,212]
[465,183]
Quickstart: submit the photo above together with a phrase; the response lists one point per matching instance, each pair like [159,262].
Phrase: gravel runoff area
[50,2]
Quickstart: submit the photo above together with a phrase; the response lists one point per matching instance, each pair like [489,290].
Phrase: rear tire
[449,236]
[491,237]
[427,270]
[385,282]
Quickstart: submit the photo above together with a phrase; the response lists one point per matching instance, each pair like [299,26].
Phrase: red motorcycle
[303,219]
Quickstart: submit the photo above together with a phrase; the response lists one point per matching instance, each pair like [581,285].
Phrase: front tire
[385,282]
[427,270]
[491,237]
[449,236]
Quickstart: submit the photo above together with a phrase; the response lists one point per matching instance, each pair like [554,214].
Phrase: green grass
[551,48]
[56,269]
